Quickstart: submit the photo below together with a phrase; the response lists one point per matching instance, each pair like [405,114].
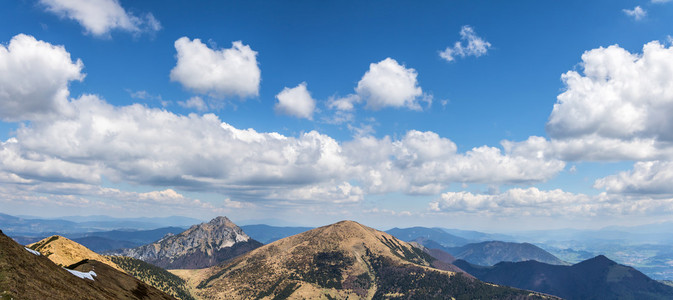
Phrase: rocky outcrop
[200,246]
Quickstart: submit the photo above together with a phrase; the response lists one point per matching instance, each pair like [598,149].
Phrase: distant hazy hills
[267,234]
[24,275]
[596,278]
[339,261]
[434,234]
[200,246]
[102,241]
[482,253]
[493,252]
[39,227]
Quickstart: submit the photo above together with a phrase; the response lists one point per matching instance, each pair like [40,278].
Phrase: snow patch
[88,275]
[32,251]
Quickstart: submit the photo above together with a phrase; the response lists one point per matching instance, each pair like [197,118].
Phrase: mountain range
[596,278]
[200,246]
[435,234]
[27,226]
[482,253]
[493,252]
[102,241]
[340,261]
[267,234]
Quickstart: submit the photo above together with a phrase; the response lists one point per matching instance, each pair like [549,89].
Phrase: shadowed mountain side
[24,275]
[490,253]
[154,276]
[340,261]
[442,259]
[200,246]
[596,278]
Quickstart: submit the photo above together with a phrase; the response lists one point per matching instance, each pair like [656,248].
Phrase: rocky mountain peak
[221,221]
[219,231]
[200,246]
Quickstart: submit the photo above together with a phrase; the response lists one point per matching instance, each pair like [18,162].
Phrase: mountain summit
[200,246]
[340,261]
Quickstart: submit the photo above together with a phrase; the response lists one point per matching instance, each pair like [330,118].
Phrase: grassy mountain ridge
[64,252]
[69,254]
[24,275]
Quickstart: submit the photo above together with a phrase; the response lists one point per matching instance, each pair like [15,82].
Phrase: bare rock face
[200,246]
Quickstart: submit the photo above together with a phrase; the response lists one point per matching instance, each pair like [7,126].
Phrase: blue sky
[339,110]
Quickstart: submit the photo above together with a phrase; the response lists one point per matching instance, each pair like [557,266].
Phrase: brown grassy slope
[24,275]
[340,261]
[64,252]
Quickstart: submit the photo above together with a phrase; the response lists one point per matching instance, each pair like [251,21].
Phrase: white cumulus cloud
[637,13]
[296,101]
[532,202]
[218,73]
[149,146]
[617,107]
[646,178]
[99,17]
[195,102]
[425,163]
[476,46]
[34,77]
[94,141]
[389,84]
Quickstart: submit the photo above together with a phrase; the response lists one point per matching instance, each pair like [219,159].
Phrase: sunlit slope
[64,252]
